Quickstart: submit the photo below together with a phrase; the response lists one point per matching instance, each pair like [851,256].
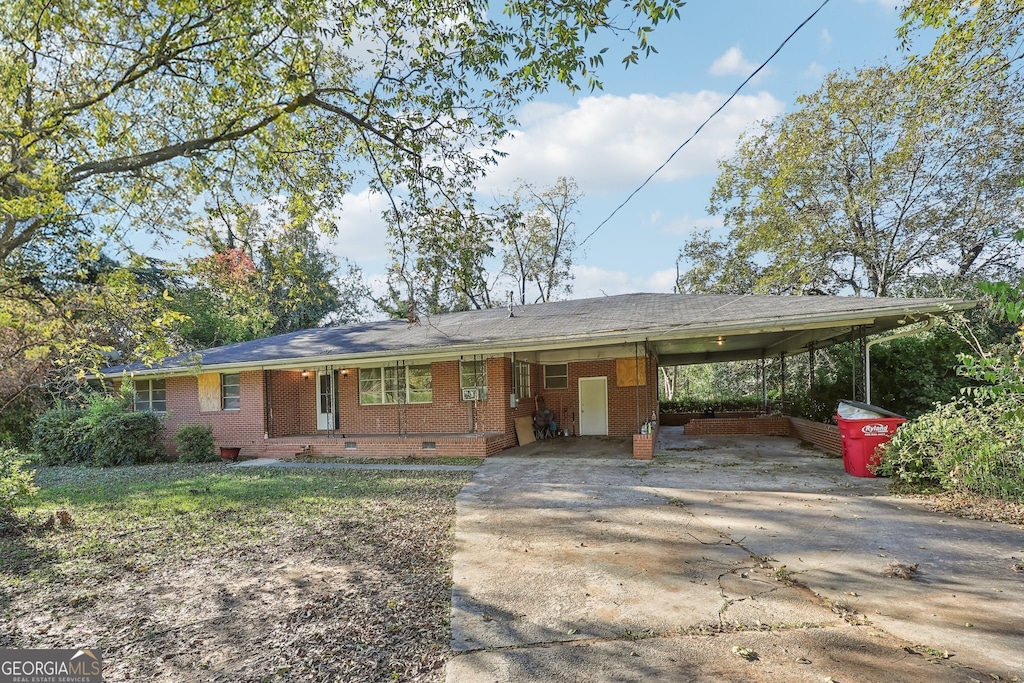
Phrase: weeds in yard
[900,570]
[644,634]
[329,575]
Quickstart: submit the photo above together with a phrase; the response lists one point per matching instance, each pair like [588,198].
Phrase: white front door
[593,406]
[325,401]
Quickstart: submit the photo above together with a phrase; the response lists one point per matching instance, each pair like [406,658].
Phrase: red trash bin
[862,436]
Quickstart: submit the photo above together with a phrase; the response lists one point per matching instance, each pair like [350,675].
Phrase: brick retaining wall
[824,436]
[761,426]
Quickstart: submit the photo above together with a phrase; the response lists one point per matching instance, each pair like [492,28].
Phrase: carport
[748,327]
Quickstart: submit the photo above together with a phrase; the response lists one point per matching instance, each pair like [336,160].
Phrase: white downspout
[929,324]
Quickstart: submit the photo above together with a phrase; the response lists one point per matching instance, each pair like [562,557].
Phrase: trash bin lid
[859,408]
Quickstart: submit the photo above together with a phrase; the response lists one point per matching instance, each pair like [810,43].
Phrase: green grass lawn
[192,572]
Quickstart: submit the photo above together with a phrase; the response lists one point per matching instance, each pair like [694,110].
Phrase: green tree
[267,273]
[116,109]
[223,301]
[869,183]
[455,258]
[538,238]
[976,51]
[439,262]
[79,316]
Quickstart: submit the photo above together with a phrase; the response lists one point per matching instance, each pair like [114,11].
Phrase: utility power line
[706,121]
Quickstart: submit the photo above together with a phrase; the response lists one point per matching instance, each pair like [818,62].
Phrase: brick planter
[643,445]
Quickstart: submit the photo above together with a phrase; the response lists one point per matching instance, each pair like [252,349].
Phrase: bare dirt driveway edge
[724,559]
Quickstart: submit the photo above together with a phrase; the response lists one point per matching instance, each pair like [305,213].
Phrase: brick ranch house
[454,384]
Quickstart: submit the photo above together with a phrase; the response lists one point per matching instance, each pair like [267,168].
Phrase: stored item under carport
[866,428]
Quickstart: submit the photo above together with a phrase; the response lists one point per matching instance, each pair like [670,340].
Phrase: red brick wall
[292,402]
[762,426]
[624,415]
[446,414]
[824,436]
[233,428]
[643,444]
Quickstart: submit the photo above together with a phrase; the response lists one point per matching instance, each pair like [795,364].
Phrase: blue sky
[609,141]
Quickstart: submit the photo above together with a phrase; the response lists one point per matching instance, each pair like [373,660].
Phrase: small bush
[695,405]
[965,446]
[195,444]
[60,439]
[17,484]
[16,420]
[127,439]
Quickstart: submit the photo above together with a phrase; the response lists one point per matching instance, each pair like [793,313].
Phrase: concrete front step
[281,451]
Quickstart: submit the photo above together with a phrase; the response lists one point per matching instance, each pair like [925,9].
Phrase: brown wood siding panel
[629,372]
[209,392]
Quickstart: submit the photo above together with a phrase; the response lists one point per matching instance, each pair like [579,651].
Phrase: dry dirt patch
[202,573]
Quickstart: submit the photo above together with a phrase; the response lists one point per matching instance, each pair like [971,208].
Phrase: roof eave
[650,334]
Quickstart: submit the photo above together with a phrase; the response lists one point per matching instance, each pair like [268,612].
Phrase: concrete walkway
[726,558]
[272,462]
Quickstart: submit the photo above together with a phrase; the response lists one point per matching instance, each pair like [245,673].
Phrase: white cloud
[610,143]
[591,281]
[732,63]
[686,224]
[814,71]
[824,37]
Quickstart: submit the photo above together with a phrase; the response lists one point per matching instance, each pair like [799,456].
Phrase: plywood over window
[209,392]
[630,372]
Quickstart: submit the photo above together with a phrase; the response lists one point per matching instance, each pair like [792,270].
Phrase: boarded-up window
[209,392]
[630,372]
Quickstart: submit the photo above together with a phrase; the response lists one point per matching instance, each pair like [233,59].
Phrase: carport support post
[859,365]
[782,380]
[764,386]
[810,370]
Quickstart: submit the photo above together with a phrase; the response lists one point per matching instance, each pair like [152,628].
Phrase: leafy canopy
[872,181]
[112,108]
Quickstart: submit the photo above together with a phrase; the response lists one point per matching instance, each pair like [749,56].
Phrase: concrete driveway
[726,558]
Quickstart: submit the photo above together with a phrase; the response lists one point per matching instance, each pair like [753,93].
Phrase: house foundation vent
[430,445]
[350,445]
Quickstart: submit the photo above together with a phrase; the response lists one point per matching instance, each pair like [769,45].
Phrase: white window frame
[144,399]
[233,400]
[548,376]
[384,382]
[473,375]
[521,374]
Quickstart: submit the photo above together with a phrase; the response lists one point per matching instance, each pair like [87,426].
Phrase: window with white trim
[556,376]
[473,376]
[522,379]
[151,394]
[393,384]
[230,392]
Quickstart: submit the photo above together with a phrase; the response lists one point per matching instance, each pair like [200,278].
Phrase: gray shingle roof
[619,319]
